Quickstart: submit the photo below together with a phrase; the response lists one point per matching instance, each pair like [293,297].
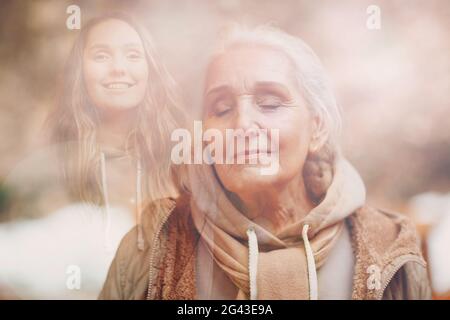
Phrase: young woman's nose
[118,66]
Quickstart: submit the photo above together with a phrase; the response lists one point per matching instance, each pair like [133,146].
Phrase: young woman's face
[254,87]
[114,66]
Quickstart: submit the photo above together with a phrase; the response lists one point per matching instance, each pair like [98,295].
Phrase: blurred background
[392,83]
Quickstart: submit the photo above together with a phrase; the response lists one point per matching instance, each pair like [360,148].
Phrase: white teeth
[118,86]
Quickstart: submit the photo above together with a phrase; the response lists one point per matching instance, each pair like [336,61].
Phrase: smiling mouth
[118,85]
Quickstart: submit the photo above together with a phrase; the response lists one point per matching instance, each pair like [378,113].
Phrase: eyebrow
[264,85]
[106,46]
[217,89]
[260,85]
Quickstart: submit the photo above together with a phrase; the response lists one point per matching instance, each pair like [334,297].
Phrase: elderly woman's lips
[252,153]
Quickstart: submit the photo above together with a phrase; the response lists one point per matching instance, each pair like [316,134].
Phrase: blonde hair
[76,119]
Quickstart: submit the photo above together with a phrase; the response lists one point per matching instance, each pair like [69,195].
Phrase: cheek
[93,74]
[216,124]
[294,139]
[294,143]
[139,72]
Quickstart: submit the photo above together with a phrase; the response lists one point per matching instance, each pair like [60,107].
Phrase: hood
[345,194]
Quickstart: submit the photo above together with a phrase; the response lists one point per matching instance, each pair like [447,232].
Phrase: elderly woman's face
[253,87]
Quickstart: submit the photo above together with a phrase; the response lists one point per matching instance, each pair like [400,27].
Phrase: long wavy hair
[76,121]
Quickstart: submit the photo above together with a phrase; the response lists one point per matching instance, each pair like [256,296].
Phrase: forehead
[113,33]
[245,65]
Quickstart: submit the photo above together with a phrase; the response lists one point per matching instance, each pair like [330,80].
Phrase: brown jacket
[388,260]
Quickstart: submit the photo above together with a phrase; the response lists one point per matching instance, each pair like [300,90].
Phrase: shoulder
[384,230]
[387,240]
[409,283]
[153,218]
[128,274]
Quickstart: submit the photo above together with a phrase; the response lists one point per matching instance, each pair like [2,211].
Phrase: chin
[244,178]
[120,106]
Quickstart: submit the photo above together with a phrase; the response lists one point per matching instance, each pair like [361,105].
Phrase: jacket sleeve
[409,283]
[114,285]
[127,275]
[113,288]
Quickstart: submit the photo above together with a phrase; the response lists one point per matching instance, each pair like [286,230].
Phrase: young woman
[112,127]
[302,232]
[115,116]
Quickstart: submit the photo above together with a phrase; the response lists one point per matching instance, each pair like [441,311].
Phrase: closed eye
[220,105]
[269,103]
[270,99]
[221,109]
[269,106]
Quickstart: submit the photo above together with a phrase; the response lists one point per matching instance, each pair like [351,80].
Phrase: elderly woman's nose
[245,115]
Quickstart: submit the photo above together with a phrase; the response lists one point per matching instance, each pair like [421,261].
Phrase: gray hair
[310,74]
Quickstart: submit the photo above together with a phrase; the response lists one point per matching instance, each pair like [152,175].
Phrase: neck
[115,127]
[277,206]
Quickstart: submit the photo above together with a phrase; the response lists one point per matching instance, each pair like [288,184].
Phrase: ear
[319,134]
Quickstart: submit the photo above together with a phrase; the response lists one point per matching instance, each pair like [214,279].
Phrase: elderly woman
[301,232]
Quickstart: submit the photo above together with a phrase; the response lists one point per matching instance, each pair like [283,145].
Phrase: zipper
[404,259]
[152,253]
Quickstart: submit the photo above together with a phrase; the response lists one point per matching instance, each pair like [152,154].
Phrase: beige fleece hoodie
[345,194]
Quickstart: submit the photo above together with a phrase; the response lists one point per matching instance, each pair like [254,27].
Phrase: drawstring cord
[140,241]
[253,263]
[107,238]
[312,273]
